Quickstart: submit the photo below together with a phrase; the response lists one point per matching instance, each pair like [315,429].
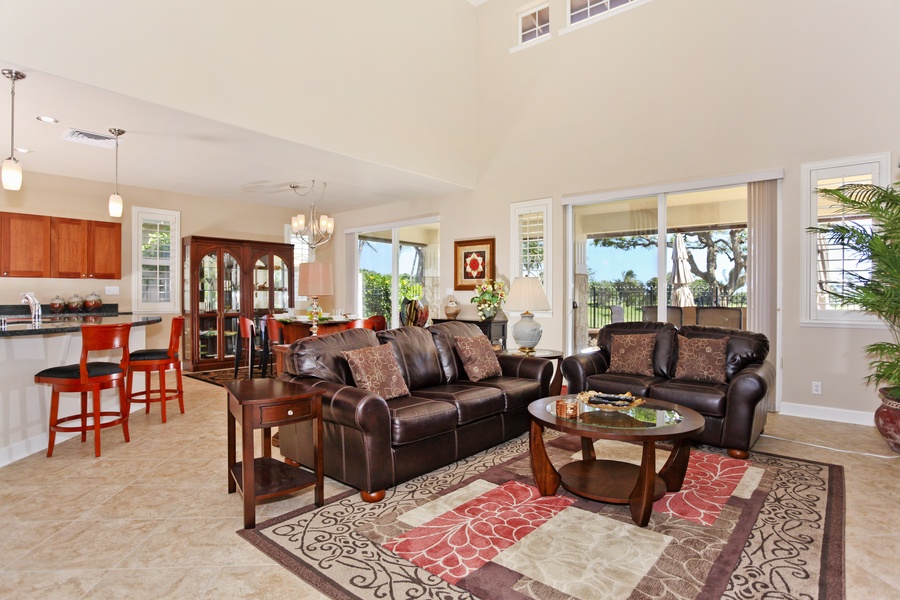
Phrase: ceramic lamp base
[527,333]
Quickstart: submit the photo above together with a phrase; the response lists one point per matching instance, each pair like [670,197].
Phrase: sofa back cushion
[416,354]
[444,336]
[744,348]
[632,353]
[322,357]
[375,369]
[663,351]
[701,359]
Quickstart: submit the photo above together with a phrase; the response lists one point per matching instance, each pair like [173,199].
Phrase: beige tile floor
[152,519]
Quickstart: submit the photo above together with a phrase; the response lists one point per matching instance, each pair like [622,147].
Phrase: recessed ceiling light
[23,150]
[44,119]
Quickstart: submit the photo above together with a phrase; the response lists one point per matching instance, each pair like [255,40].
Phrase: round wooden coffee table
[611,480]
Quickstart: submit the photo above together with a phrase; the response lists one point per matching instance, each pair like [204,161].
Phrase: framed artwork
[473,261]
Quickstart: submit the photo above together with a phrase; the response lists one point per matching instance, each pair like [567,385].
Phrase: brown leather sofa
[373,444]
[734,411]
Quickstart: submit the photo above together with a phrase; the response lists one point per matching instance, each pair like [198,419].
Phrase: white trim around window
[874,168]
[159,289]
[615,7]
[530,222]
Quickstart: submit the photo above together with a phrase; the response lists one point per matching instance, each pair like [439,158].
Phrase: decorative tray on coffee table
[609,401]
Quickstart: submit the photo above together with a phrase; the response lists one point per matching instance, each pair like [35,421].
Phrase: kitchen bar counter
[22,326]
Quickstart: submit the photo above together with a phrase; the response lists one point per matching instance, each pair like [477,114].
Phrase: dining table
[295,329]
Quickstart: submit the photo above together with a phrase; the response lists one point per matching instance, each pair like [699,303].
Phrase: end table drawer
[273,415]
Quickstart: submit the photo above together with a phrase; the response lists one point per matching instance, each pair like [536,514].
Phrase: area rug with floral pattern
[771,526]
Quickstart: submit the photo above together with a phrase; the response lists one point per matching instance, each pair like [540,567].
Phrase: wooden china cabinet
[224,280]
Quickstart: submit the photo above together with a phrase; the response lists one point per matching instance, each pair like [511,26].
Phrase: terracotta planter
[887,419]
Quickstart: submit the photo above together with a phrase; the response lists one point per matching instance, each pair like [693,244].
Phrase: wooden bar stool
[273,335]
[90,377]
[159,360]
[246,339]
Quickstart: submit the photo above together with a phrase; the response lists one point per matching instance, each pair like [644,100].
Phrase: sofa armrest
[746,405]
[528,367]
[578,367]
[751,384]
[349,406]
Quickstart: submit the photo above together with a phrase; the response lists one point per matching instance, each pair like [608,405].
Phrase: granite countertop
[18,320]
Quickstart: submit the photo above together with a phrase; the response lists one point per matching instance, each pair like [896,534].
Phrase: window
[829,266]
[302,254]
[531,245]
[582,11]
[534,23]
[155,259]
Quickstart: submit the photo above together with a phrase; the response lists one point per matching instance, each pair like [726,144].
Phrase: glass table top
[644,416]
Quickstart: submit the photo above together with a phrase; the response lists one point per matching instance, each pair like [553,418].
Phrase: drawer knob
[290,413]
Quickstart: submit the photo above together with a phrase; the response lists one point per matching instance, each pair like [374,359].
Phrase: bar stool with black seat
[158,360]
[246,339]
[273,335]
[90,377]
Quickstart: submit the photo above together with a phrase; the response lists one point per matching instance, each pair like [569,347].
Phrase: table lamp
[527,294]
[315,281]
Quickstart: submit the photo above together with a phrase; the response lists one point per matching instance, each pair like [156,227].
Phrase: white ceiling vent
[90,138]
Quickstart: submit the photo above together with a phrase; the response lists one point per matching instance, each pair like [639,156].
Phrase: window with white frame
[302,254]
[581,10]
[155,259]
[830,266]
[531,245]
[534,23]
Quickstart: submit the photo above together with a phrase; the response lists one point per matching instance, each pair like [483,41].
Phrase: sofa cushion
[414,419]
[619,383]
[322,357]
[517,392]
[470,401]
[701,359]
[632,354]
[708,399]
[663,354]
[376,370]
[744,347]
[416,354]
[444,335]
[478,357]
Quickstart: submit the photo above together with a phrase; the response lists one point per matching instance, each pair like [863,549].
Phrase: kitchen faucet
[34,305]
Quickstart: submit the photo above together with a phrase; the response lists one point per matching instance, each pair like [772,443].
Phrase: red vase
[887,420]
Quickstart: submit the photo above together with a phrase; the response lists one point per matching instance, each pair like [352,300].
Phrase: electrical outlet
[816,387]
[112,290]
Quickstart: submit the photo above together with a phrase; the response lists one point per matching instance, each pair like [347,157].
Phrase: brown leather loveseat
[732,400]
[373,443]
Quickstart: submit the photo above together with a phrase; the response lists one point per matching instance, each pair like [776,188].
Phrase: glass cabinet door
[207,309]
[261,285]
[231,305]
[281,285]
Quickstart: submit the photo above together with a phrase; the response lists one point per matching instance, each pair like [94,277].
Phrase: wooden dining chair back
[379,323]
[90,377]
[158,360]
[246,342]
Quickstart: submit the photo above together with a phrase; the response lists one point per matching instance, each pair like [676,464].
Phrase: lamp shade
[315,280]
[115,205]
[527,294]
[12,174]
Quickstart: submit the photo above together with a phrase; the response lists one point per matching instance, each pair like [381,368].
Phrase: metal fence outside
[602,302]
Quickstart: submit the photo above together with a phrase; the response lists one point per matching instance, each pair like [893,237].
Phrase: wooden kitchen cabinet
[24,245]
[85,249]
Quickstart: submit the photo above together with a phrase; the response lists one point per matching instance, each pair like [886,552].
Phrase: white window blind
[531,241]
[156,259]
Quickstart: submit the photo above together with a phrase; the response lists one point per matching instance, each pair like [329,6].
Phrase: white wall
[388,82]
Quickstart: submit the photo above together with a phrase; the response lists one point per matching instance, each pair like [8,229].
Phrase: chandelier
[318,229]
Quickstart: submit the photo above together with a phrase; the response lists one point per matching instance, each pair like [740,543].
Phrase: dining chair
[720,316]
[674,314]
[246,339]
[273,335]
[379,323]
[91,377]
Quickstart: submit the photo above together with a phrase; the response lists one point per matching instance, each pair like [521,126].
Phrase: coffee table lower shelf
[611,481]
[273,478]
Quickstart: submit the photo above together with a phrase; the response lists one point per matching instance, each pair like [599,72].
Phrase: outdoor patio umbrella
[681,274]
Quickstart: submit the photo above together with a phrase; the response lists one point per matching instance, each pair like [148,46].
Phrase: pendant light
[12,170]
[115,200]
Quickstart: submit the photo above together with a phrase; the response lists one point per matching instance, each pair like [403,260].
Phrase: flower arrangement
[489,295]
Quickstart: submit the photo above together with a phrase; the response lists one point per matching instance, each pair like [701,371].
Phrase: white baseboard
[824,413]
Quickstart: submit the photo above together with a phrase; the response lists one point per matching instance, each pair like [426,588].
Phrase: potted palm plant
[876,292]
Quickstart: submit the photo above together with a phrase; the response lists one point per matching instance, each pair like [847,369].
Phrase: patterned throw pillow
[478,358]
[376,370]
[632,354]
[701,359]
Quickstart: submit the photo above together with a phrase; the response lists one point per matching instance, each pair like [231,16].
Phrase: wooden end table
[611,480]
[263,404]
[556,383]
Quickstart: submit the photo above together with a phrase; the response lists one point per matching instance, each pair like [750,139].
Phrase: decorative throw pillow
[376,370]
[701,359]
[632,354]
[478,358]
